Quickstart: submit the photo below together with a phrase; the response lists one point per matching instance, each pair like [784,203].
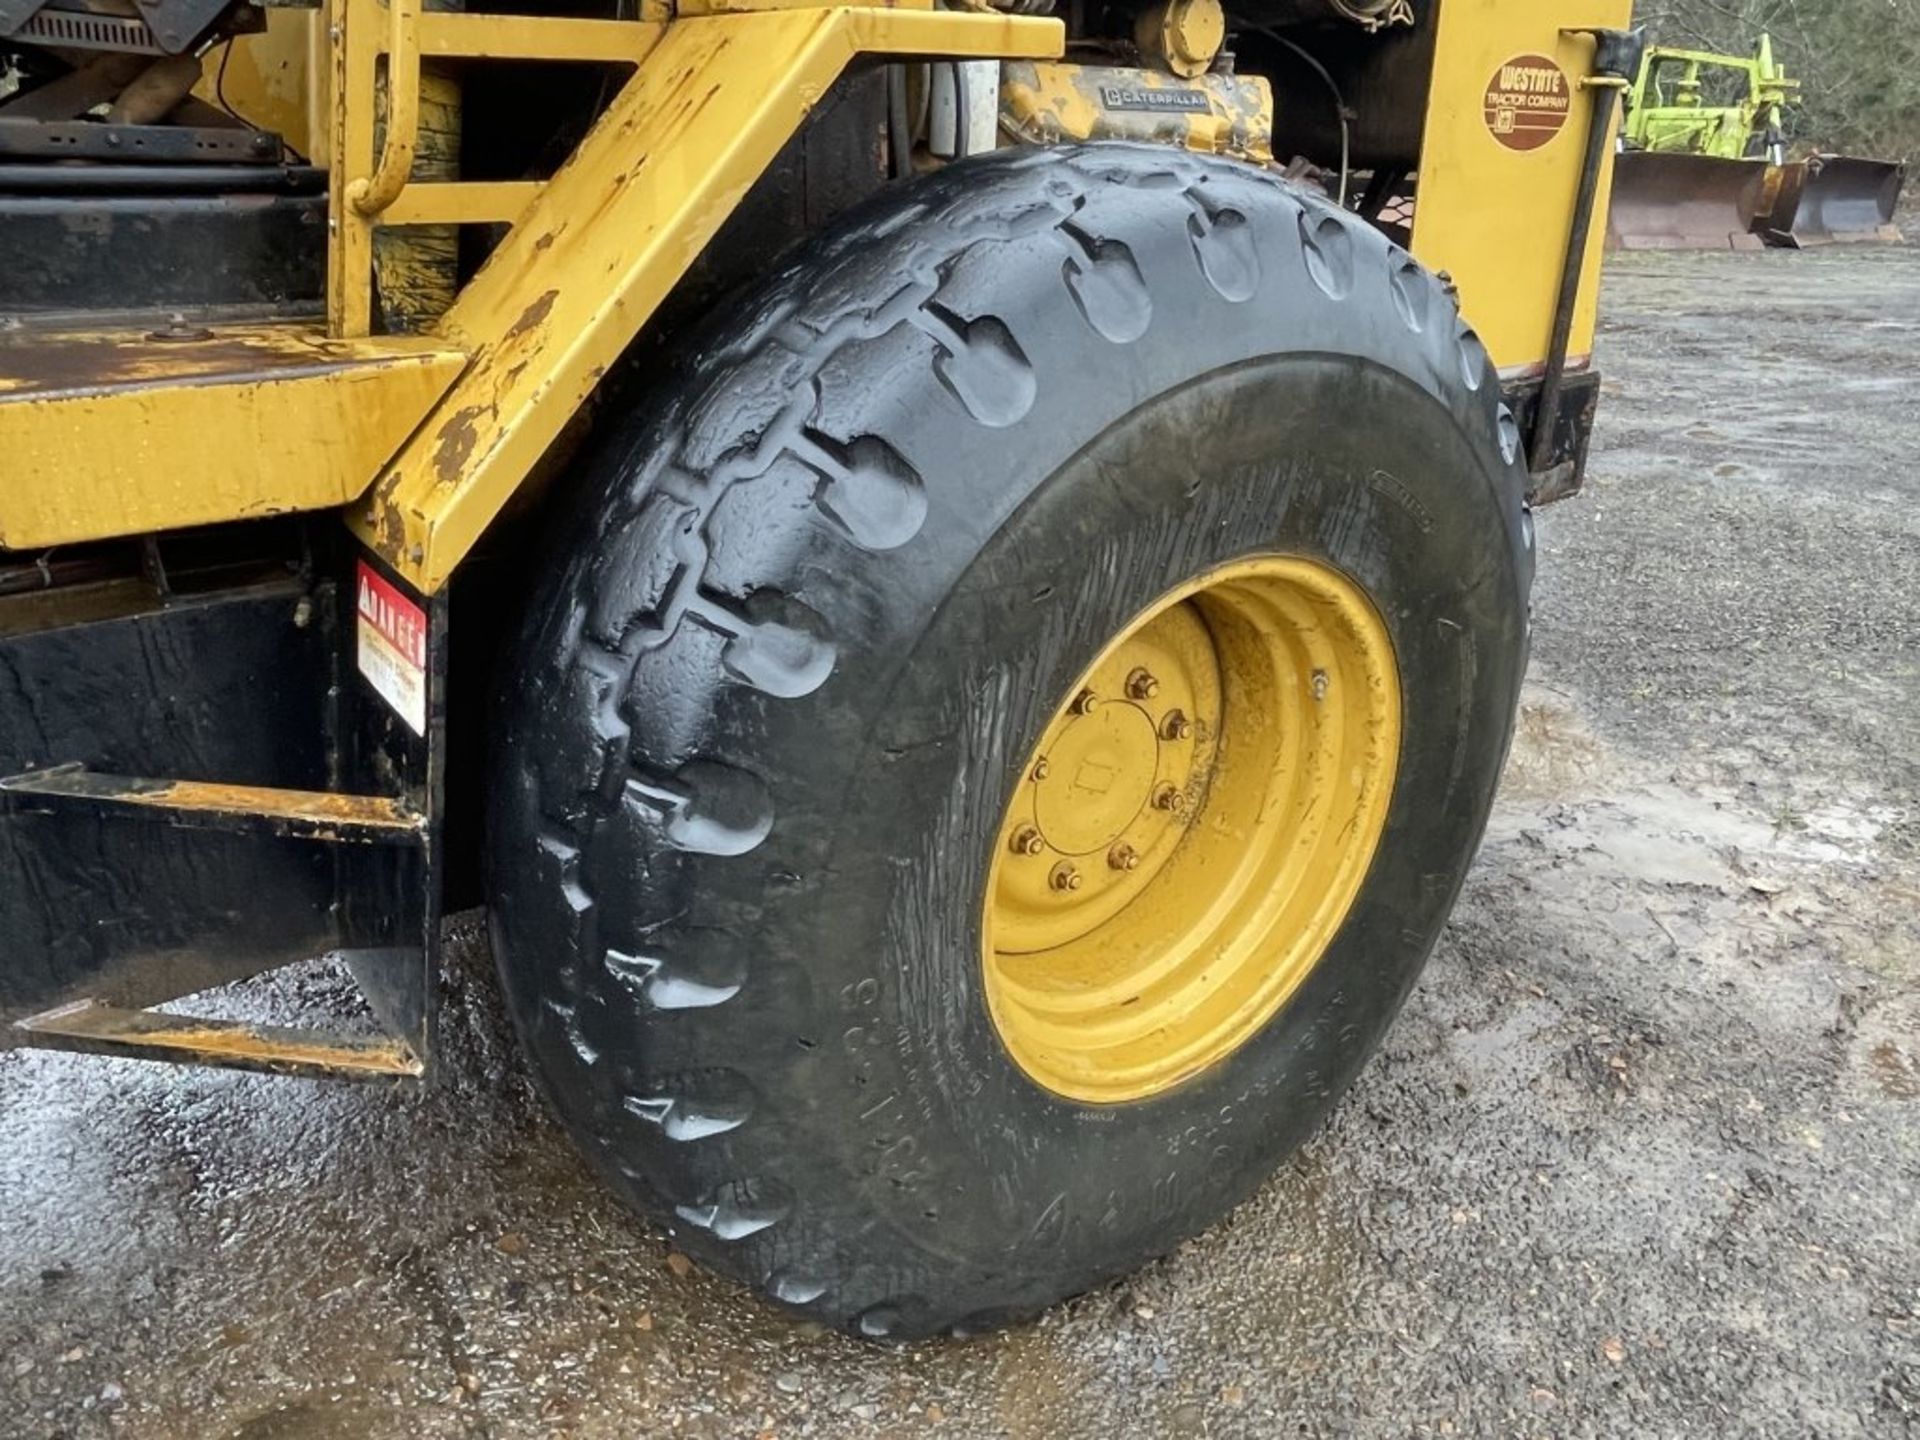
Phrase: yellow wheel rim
[1192,828]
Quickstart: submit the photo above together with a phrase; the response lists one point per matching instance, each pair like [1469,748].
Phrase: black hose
[1339,102]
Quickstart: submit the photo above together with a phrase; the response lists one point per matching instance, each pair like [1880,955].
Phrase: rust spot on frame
[457,440]
[534,314]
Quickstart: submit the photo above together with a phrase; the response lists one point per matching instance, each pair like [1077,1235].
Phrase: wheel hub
[1106,792]
[1191,828]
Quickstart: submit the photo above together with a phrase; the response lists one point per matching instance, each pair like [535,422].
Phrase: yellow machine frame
[1496,218]
[425,439]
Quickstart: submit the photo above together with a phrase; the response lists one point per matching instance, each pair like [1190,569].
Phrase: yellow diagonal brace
[608,237]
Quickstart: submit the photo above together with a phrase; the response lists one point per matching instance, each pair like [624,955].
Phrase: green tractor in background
[1704,165]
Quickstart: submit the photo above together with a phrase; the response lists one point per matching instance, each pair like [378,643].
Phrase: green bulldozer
[1703,163]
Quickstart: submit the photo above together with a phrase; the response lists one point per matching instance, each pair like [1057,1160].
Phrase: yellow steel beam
[111,434]
[460,35]
[689,8]
[607,238]
[355,37]
[464,202]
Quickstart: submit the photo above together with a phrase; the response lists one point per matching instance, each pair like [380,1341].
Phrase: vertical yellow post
[354,36]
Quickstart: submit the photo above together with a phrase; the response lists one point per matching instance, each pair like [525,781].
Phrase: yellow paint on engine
[1048,103]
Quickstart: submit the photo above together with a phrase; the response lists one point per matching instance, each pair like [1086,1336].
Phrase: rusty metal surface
[1564,472]
[1685,202]
[1780,203]
[1839,199]
[299,814]
[230,1044]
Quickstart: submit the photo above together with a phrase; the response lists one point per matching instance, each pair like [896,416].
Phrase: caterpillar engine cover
[1045,103]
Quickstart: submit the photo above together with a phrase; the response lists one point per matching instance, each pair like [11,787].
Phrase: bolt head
[1084,702]
[1040,768]
[1168,797]
[1123,857]
[1141,685]
[1064,877]
[1026,841]
[1176,726]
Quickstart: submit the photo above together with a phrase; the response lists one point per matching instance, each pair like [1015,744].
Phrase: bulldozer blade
[1684,202]
[1835,199]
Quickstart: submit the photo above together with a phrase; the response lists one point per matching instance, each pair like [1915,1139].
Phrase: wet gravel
[1640,1159]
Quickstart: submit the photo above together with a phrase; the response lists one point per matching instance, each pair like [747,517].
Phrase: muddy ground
[1642,1157]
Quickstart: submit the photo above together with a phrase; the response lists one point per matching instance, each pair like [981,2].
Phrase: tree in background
[1858,62]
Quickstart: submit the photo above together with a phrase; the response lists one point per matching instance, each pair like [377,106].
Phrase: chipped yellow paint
[1047,104]
[1494,218]
[120,434]
[607,237]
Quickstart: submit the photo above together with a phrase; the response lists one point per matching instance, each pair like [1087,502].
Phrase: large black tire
[809,617]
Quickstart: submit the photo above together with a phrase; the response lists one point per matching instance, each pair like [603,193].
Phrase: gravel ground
[1640,1159]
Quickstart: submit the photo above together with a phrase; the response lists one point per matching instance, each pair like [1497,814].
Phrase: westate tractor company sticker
[393,647]
[1528,102]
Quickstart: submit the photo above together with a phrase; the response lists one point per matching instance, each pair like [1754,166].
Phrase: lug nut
[1084,702]
[1040,768]
[1320,683]
[1141,685]
[1167,797]
[1124,857]
[1064,877]
[1027,841]
[1176,726]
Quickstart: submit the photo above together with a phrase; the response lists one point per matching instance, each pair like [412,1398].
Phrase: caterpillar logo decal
[1528,102]
[1187,102]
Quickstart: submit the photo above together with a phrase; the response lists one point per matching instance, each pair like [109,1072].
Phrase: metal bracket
[1612,49]
[134,144]
[237,809]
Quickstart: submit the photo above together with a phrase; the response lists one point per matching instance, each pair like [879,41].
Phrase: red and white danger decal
[1528,102]
[393,647]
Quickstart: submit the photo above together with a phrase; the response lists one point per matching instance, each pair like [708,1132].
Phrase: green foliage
[1858,62]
